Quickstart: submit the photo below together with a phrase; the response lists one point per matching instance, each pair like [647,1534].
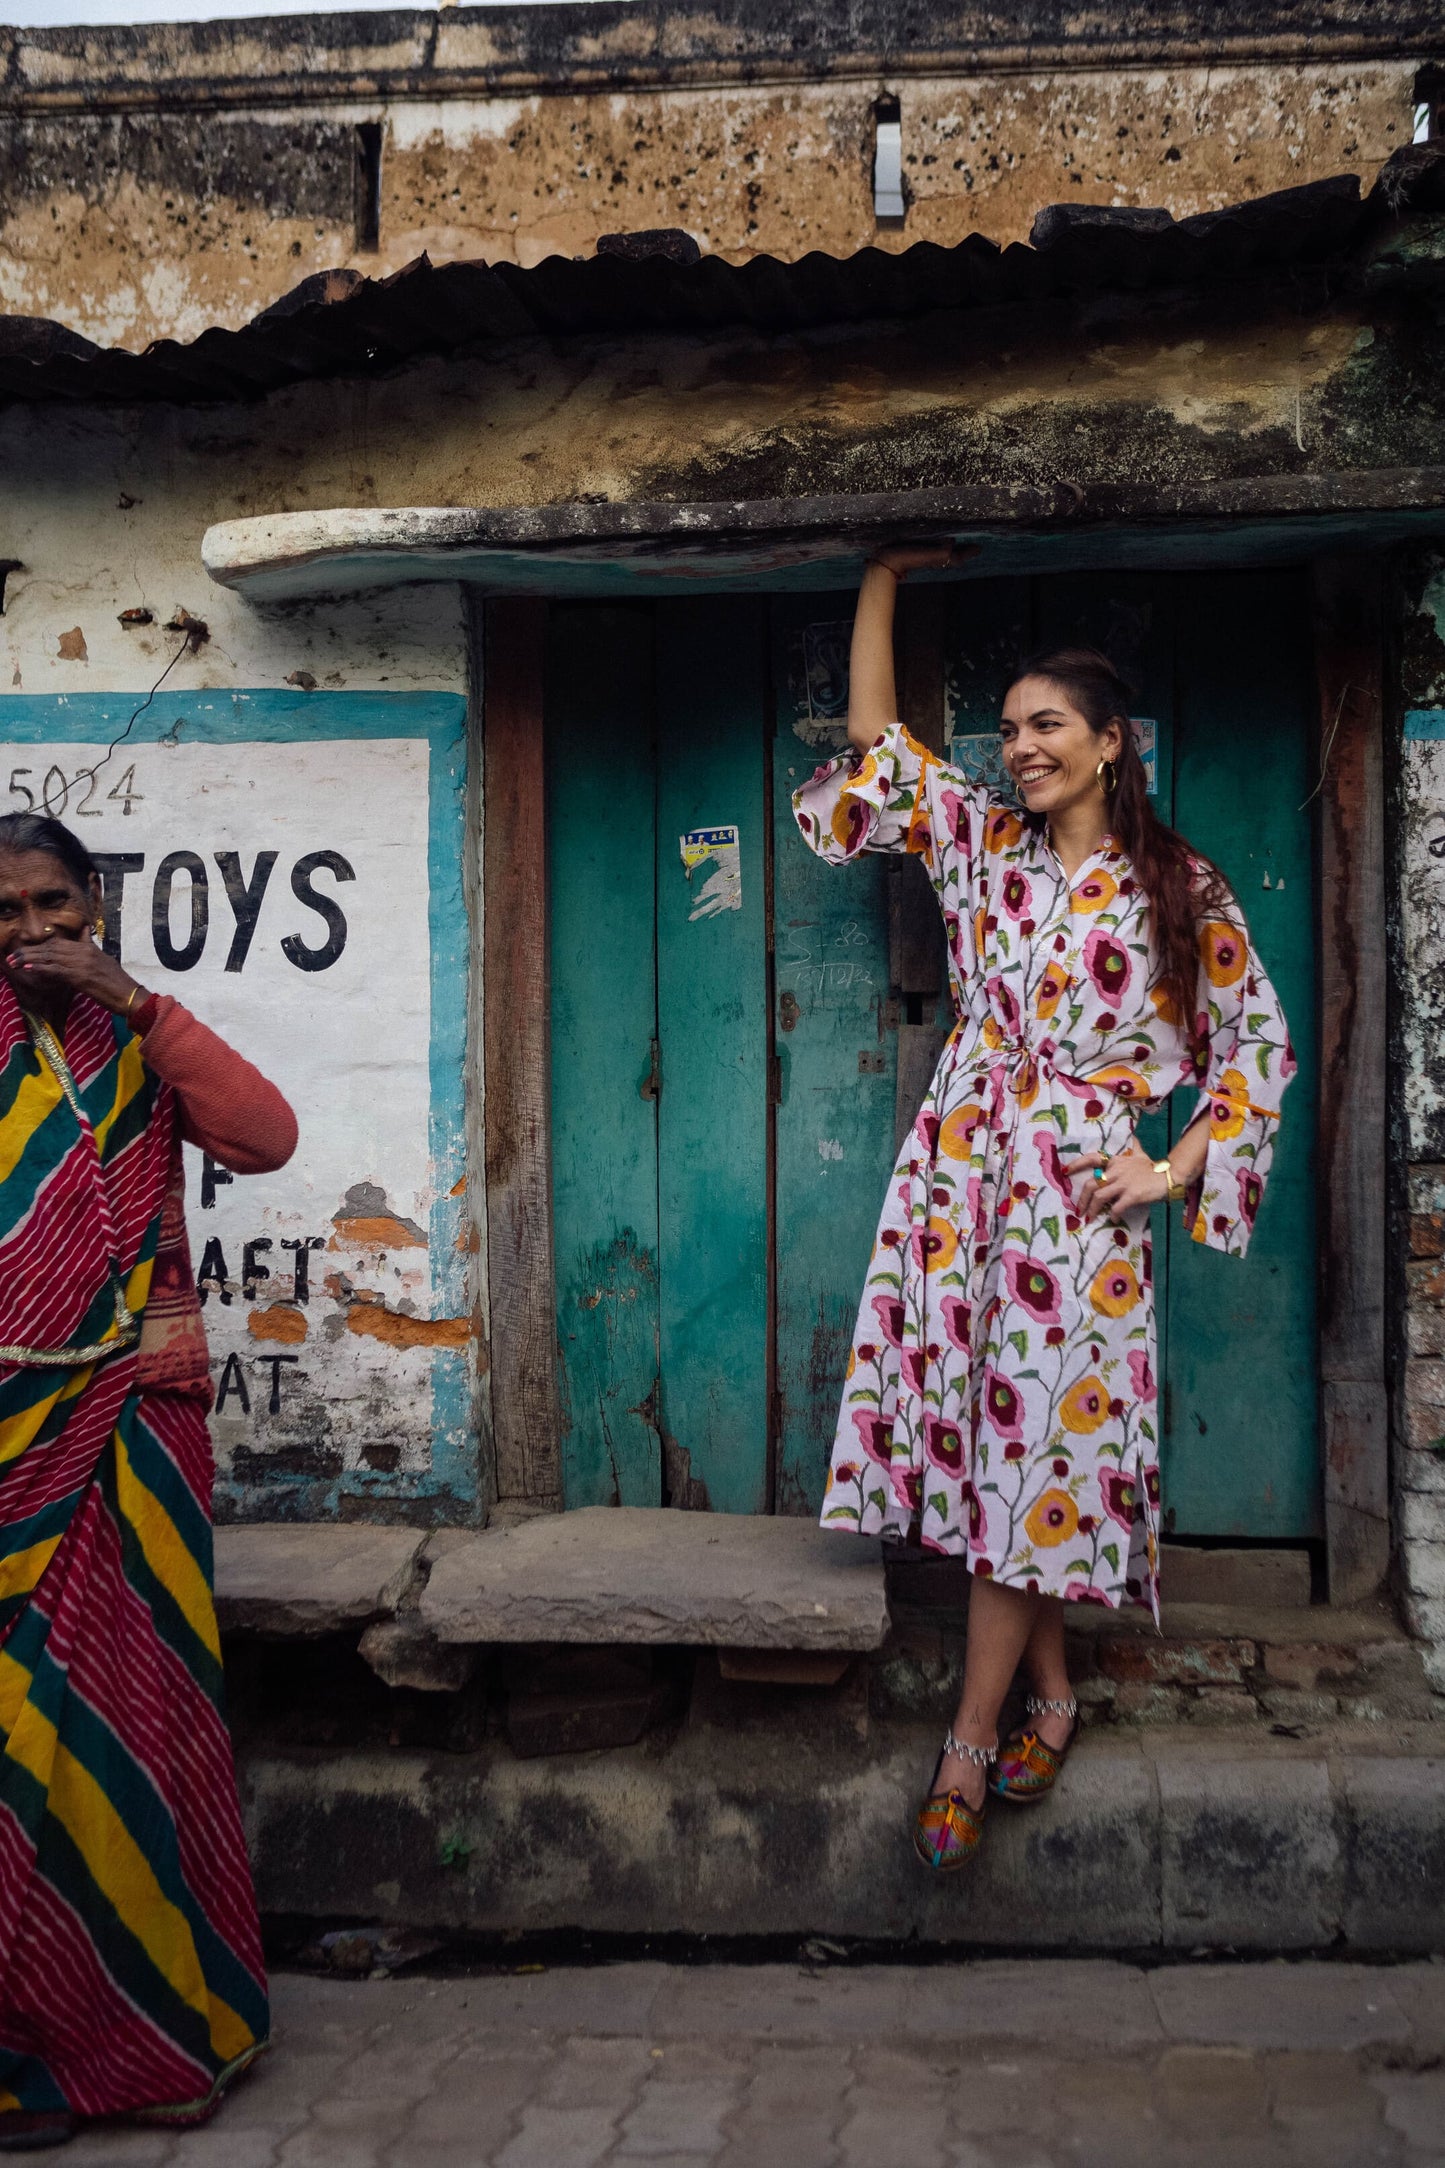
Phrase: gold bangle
[131,1003]
[1174,1189]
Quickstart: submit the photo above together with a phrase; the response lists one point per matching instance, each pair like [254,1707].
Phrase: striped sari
[131,1977]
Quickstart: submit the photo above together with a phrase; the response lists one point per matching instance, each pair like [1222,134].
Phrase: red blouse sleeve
[227,1107]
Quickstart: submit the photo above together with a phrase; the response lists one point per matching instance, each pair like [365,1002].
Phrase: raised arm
[872,685]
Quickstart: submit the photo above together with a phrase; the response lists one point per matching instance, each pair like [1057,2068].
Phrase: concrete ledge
[633,1575]
[303,1579]
[1158,1843]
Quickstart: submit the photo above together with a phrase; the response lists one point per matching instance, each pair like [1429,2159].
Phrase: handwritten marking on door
[723,888]
[829,1148]
[819,979]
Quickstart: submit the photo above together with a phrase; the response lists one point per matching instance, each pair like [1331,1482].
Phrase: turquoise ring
[1098,1174]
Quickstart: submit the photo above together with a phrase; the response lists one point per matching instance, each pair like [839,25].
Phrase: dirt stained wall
[132,225]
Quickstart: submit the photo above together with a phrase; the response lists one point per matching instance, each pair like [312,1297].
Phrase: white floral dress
[1001,1386]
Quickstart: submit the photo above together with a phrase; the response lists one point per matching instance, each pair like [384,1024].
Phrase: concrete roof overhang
[819,542]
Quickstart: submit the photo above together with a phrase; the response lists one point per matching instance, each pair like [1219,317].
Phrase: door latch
[651,1085]
[788,1010]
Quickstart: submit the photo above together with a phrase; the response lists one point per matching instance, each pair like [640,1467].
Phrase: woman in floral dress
[1001,1393]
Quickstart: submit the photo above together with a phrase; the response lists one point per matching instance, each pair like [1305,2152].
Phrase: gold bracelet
[131,1003]
[1174,1189]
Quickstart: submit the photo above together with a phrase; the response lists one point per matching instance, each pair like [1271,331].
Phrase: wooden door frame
[1348,595]
[1348,627]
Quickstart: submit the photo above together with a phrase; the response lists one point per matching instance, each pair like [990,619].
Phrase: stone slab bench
[304,1578]
[625,1575]
[636,1576]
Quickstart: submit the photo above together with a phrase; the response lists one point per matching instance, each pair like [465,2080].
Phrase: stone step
[640,1576]
[301,1578]
[1163,1841]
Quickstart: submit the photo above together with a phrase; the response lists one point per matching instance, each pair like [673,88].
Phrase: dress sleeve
[873,801]
[1248,1062]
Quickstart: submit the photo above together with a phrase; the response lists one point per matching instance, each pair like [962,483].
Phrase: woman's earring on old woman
[97,926]
[1112,785]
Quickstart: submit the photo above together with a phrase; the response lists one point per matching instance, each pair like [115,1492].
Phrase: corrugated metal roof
[341,324]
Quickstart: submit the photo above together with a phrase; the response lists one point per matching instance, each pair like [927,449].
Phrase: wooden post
[517,1039]
[1354,1406]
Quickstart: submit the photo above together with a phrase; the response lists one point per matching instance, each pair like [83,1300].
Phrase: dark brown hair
[1182,886]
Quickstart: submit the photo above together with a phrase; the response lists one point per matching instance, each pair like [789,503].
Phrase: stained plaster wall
[1420,1442]
[336,727]
[130,224]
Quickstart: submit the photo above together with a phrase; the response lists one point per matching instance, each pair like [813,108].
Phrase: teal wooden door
[725,1072]
[655,725]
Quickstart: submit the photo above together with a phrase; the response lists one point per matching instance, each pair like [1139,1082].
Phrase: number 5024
[54,793]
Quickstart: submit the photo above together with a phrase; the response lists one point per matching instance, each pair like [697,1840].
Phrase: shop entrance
[739,1031]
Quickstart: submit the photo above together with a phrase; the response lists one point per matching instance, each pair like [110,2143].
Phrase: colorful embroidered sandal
[948,1830]
[1027,1769]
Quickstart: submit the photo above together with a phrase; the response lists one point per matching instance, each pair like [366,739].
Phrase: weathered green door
[660,1116]
[726,1066]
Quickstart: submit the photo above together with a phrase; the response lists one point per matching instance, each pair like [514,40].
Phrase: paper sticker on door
[723,888]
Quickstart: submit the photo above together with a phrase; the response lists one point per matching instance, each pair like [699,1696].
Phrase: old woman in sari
[131,1976]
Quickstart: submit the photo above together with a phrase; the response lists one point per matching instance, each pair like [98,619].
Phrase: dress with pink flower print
[1001,1390]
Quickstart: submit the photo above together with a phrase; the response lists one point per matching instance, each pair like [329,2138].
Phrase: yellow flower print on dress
[1095,892]
[1052,987]
[1224,952]
[1002,829]
[1084,1406]
[1113,1291]
[956,1132]
[1051,1519]
[1164,1005]
[1229,1106]
[1123,1082]
[935,1244]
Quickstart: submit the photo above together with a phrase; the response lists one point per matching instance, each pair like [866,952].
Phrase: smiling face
[37,896]
[1049,749]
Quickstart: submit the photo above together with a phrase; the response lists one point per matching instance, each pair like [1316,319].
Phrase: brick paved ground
[1023,2065]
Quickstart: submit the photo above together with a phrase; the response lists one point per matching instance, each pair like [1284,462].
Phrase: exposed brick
[1425,1569]
[1308,1664]
[1175,1663]
[1139,1704]
[1427,1234]
[1422,1468]
[1424,1428]
[1422,1518]
[1425,1384]
[1221,1705]
[1288,1706]
[1424,1281]
[1425,1329]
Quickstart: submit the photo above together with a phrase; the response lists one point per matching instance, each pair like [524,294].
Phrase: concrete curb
[1164,1842]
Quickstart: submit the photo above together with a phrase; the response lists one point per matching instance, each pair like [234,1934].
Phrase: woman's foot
[1031,1759]
[962,1773]
[27,2130]
[949,1827]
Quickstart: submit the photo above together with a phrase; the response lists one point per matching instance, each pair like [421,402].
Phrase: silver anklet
[1035,1707]
[981,1756]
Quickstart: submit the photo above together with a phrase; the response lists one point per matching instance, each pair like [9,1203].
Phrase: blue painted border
[281,717]
[1425,722]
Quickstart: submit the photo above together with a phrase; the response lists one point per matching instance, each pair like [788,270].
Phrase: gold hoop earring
[1112,785]
[97,926]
